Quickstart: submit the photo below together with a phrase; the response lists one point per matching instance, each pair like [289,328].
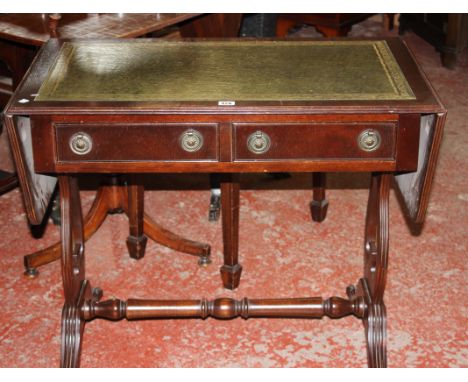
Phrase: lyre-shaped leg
[76,289]
[375,269]
[73,270]
[372,286]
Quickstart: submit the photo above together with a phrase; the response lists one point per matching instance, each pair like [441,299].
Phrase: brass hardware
[369,140]
[258,142]
[81,143]
[191,141]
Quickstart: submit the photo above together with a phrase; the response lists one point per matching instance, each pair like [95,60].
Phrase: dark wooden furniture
[447,32]
[225,107]
[22,34]
[34,29]
[329,24]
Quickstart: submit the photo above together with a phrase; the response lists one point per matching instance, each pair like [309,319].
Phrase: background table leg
[136,241]
[319,203]
[231,270]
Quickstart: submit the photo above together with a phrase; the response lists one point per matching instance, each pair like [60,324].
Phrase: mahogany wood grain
[314,141]
[224,308]
[136,142]
[234,143]
[408,142]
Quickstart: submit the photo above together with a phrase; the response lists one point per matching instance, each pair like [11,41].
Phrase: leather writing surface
[223,70]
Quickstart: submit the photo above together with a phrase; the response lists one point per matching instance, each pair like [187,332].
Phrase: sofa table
[226,107]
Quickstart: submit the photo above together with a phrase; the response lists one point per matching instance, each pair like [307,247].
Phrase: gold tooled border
[56,73]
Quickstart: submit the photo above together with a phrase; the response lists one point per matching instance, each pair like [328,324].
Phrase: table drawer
[258,141]
[137,142]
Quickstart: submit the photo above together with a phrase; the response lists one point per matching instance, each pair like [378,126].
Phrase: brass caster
[31,273]
[204,261]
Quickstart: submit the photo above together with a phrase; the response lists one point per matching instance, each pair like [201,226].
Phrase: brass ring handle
[258,142]
[81,143]
[191,141]
[369,140]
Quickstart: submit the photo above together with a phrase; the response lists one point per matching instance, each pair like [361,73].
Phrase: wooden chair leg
[319,203]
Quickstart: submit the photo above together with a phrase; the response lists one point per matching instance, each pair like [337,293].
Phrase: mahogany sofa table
[226,107]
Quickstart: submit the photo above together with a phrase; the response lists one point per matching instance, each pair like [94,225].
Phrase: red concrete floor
[283,254]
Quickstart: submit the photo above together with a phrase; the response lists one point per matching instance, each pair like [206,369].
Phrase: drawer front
[137,142]
[258,141]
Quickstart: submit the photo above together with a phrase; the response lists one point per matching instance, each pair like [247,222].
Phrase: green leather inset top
[149,70]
